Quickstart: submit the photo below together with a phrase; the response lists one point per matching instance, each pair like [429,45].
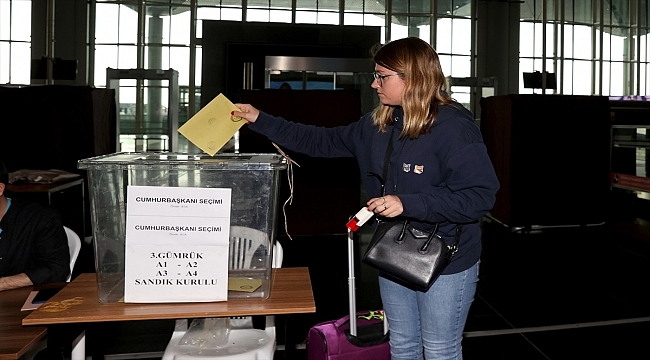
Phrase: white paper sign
[176,244]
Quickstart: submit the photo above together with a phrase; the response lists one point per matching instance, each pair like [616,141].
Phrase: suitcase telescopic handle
[352,285]
[352,289]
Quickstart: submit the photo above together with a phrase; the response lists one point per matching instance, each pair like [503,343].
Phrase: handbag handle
[425,246]
[400,237]
[453,248]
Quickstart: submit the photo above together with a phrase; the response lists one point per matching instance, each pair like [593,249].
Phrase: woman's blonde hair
[419,66]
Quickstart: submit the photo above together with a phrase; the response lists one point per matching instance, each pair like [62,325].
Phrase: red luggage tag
[359,219]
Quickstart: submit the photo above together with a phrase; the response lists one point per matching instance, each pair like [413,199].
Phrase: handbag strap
[454,246]
[389,151]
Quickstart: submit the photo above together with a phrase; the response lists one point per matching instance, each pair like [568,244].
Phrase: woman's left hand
[386,206]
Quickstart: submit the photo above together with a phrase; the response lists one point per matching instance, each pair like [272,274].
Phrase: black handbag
[409,255]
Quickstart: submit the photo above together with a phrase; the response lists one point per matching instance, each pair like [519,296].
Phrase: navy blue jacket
[444,176]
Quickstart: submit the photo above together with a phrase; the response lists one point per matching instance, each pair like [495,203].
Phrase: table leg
[64,340]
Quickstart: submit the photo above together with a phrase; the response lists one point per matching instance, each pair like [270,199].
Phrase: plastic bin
[252,178]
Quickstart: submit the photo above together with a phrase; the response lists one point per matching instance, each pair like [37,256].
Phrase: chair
[74,243]
[244,341]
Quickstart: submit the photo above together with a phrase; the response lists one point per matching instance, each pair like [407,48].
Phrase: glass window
[328,18]
[643,81]
[205,13]
[425,33]
[306,17]
[412,7]
[461,36]
[107,18]
[597,78]
[127,26]
[538,40]
[606,66]
[15,41]
[127,56]
[280,16]
[527,11]
[4,62]
[233,14]
[317,5]
[398,31]
[619,48]
[579,11]
[176,27]
[620,13]
[258,15]
[454,7]
[104,58]
[197,75]
[525,44]
[607,51]
[179,60]
[21,20]
[443,38]
[21,55]
[5,20]
[281,4]
[617,72]
[550,43]
[582,42]
[620,61]
[353,19]
[567,77]
[445,64]
[355,5]
[581,78]
[567,33]
[461,66]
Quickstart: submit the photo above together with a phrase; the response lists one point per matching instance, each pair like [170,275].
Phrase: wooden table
[16,339]
[48,188]
[291,293]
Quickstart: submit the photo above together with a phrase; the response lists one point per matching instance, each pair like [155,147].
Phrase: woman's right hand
[246,112]
[386,206]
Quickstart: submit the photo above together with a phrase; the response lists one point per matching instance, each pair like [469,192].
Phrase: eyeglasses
[380,78]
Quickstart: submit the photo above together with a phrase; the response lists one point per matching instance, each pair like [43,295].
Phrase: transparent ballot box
[252,181]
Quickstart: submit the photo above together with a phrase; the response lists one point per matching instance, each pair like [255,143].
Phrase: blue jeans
[432,321]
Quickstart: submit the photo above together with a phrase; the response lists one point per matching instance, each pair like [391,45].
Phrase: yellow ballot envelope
[212,127]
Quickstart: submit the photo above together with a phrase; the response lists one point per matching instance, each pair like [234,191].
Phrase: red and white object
[359,219]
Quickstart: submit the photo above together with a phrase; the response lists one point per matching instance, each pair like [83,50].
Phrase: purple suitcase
[365,338]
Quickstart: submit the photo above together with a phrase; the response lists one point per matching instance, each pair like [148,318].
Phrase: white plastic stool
[244,341]
[243,344]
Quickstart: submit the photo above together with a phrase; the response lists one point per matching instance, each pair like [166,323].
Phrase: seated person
[33,244]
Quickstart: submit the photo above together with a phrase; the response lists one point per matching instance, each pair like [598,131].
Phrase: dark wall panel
[227,45]
[326,191]
[551,155]
[46,127]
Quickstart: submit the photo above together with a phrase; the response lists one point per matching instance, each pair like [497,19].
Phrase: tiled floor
[555,293]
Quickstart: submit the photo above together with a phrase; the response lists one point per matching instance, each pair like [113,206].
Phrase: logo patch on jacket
[406,167]
[418,169]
